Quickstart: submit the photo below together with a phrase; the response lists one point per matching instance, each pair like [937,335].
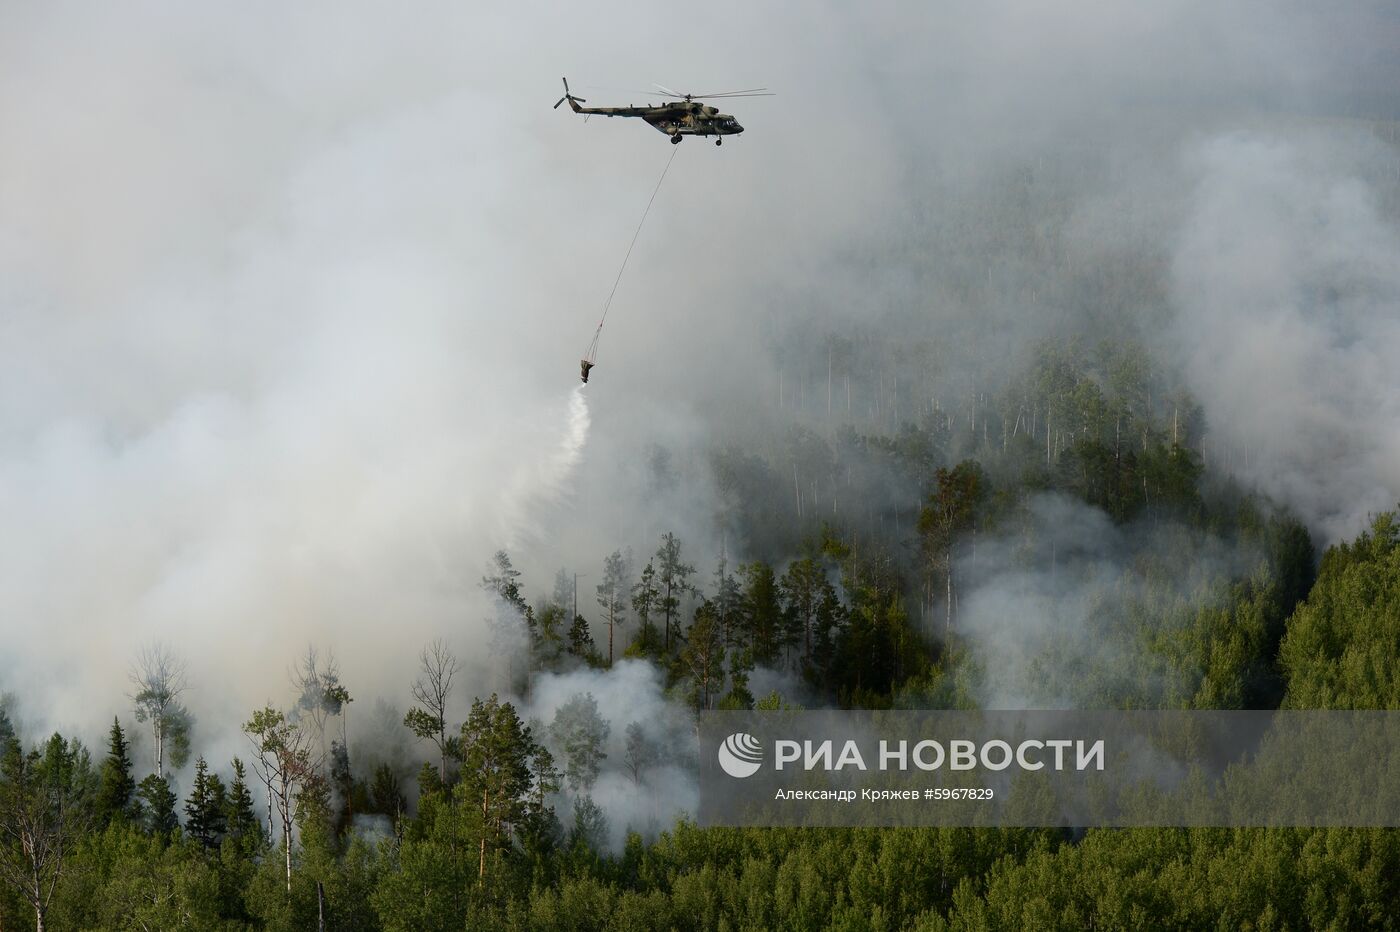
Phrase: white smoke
[1287,278]
[257,389]
[535,485]
[287,296]
[632,691]
[1062,611]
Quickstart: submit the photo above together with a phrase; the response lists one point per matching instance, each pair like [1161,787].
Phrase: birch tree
[432,690]
[158,679]
[286,764]
[320,694]
[45,807]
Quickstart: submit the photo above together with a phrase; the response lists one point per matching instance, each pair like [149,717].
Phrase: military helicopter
[683,116]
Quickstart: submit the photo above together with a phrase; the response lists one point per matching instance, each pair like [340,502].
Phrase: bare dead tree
[320,695]
[432,690]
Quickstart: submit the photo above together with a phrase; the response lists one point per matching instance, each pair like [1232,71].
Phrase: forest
[1017,356]
[1079,496]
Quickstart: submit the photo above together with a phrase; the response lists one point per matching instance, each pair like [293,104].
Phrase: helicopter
[678,118]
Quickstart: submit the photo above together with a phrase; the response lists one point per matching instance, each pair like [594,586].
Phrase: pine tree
[505,582]
[1339,652]
[950,510]
[563,594]
[673,581]
[550,643]
[578,732]
[590,825]
[205,816]
[639,754]
[645,600]
[159,803]
[740,666]
[496,777]
[612,594]
[513,627]
[116,792]
[581,642]
[703,655]
[801,589]
[727,600]
[545,780]
[386,794]
[830,623]
[218,802]
[240,821]
[342,782]
[762,614]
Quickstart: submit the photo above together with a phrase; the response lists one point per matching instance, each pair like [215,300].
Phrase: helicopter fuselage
[682,118]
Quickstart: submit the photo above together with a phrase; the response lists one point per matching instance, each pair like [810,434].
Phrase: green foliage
[672,583]
[497,779]
[613,594]
[158,805]
[386,795]
[159,678]
[46,807]
[240,821]
[646,599]
[1209,601]
[206,810]
[489,854]
[116,793]
[423,723]
[1340,649]
[878,646]
[702,658]
[761,617]
[125,879]
[1191,879]
[581,643]
[578,733]
[504,583]
[549,645]
[639,754]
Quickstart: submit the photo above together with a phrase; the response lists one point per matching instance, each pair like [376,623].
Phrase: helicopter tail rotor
[573,101]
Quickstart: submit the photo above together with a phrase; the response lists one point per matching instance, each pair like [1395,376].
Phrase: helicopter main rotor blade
[619,90]
[748,92]
[666,90]
[728,96]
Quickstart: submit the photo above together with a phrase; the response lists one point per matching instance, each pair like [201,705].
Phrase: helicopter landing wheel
[719,142]
[675,139]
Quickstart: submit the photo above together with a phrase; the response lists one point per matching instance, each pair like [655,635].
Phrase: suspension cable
[592,354]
